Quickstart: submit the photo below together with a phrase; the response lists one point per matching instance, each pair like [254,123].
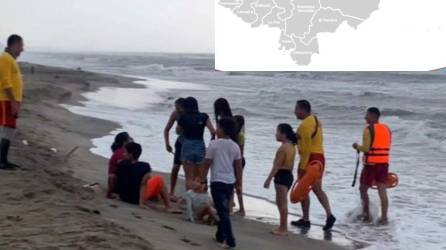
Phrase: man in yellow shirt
[11,94]
[310,143]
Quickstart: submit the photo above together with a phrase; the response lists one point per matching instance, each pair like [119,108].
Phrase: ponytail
[286,129]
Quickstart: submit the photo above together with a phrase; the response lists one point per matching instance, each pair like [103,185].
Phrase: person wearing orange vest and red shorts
[377,139]
[11,94]
[310,145]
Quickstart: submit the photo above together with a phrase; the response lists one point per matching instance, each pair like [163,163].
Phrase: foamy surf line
[258,208]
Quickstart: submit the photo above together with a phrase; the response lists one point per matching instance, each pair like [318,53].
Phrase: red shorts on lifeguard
[374,173]
[6,117]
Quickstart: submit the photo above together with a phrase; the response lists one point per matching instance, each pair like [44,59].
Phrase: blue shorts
[193,151]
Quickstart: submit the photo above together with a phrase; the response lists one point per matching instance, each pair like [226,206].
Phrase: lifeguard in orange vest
[376,144]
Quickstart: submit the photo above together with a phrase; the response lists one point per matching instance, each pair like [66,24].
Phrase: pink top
[116,158]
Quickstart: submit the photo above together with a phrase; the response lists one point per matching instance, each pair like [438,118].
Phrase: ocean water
[413,105]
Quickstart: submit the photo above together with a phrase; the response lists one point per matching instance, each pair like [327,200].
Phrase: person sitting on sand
[136,185]
[198,203]
[117,148]
[224,159]
[178,144]
[282,173]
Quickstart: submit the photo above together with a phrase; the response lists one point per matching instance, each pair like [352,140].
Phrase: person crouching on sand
[282,173]
[136,185]
[223,158]
[198,203]
[117,148]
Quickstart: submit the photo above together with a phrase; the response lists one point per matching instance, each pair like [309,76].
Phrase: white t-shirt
[223,153]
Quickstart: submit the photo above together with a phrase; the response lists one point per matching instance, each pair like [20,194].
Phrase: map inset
[300,21]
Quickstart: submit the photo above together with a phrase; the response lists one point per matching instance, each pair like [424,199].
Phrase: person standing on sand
[11,94]
[376,143]
[192,123]
[282,173]
[222,109]
[224,159]
[310,145]
[240,140]
[174,116]
[118,148]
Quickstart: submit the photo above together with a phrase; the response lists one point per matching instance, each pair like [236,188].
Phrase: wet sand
[44,206]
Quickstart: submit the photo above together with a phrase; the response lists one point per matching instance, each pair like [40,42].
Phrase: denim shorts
[193,151]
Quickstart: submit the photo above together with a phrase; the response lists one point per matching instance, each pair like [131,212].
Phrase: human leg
[221,194]
[282,205]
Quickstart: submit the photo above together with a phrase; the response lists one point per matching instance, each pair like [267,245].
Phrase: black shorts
[284,177]
[177,155]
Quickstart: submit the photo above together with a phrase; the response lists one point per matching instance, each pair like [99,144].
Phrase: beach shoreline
[46,125]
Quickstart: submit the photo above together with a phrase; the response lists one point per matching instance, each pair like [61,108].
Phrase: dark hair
[240,122]
[305,105]
[375,111]
[228,126]
[191,105]
[12,39]
[120,139]
[286,129]
[180,101]
[134,149]
[222,109]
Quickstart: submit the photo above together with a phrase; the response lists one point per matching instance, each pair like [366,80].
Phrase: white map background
[356,35]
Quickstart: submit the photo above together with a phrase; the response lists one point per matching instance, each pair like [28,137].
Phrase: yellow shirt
[289,154]
[306,144]
[366,141]
[10,77]
[241,139]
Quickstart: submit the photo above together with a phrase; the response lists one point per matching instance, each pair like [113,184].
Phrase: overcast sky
[111,25]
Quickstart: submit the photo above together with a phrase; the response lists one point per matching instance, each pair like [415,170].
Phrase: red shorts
[377,173]
[6,117]
[154,187]
[313,157]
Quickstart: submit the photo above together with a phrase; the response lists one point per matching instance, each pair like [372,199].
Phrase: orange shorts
[313,157]
[6,117]
[154,186]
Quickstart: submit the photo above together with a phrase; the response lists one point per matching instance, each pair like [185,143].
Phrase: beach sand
[44,206]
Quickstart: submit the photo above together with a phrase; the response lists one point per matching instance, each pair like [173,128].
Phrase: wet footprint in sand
[136,216]
[169,228]
[14,218]
[186,240]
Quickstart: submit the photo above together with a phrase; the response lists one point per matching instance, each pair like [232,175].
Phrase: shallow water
[412,103]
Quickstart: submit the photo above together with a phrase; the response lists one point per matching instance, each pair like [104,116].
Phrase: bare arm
[142,188]
[210,128]
[238,175]
[280,156]
[169,125]
[205,166]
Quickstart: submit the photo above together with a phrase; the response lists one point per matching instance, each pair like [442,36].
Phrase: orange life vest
[380,142]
